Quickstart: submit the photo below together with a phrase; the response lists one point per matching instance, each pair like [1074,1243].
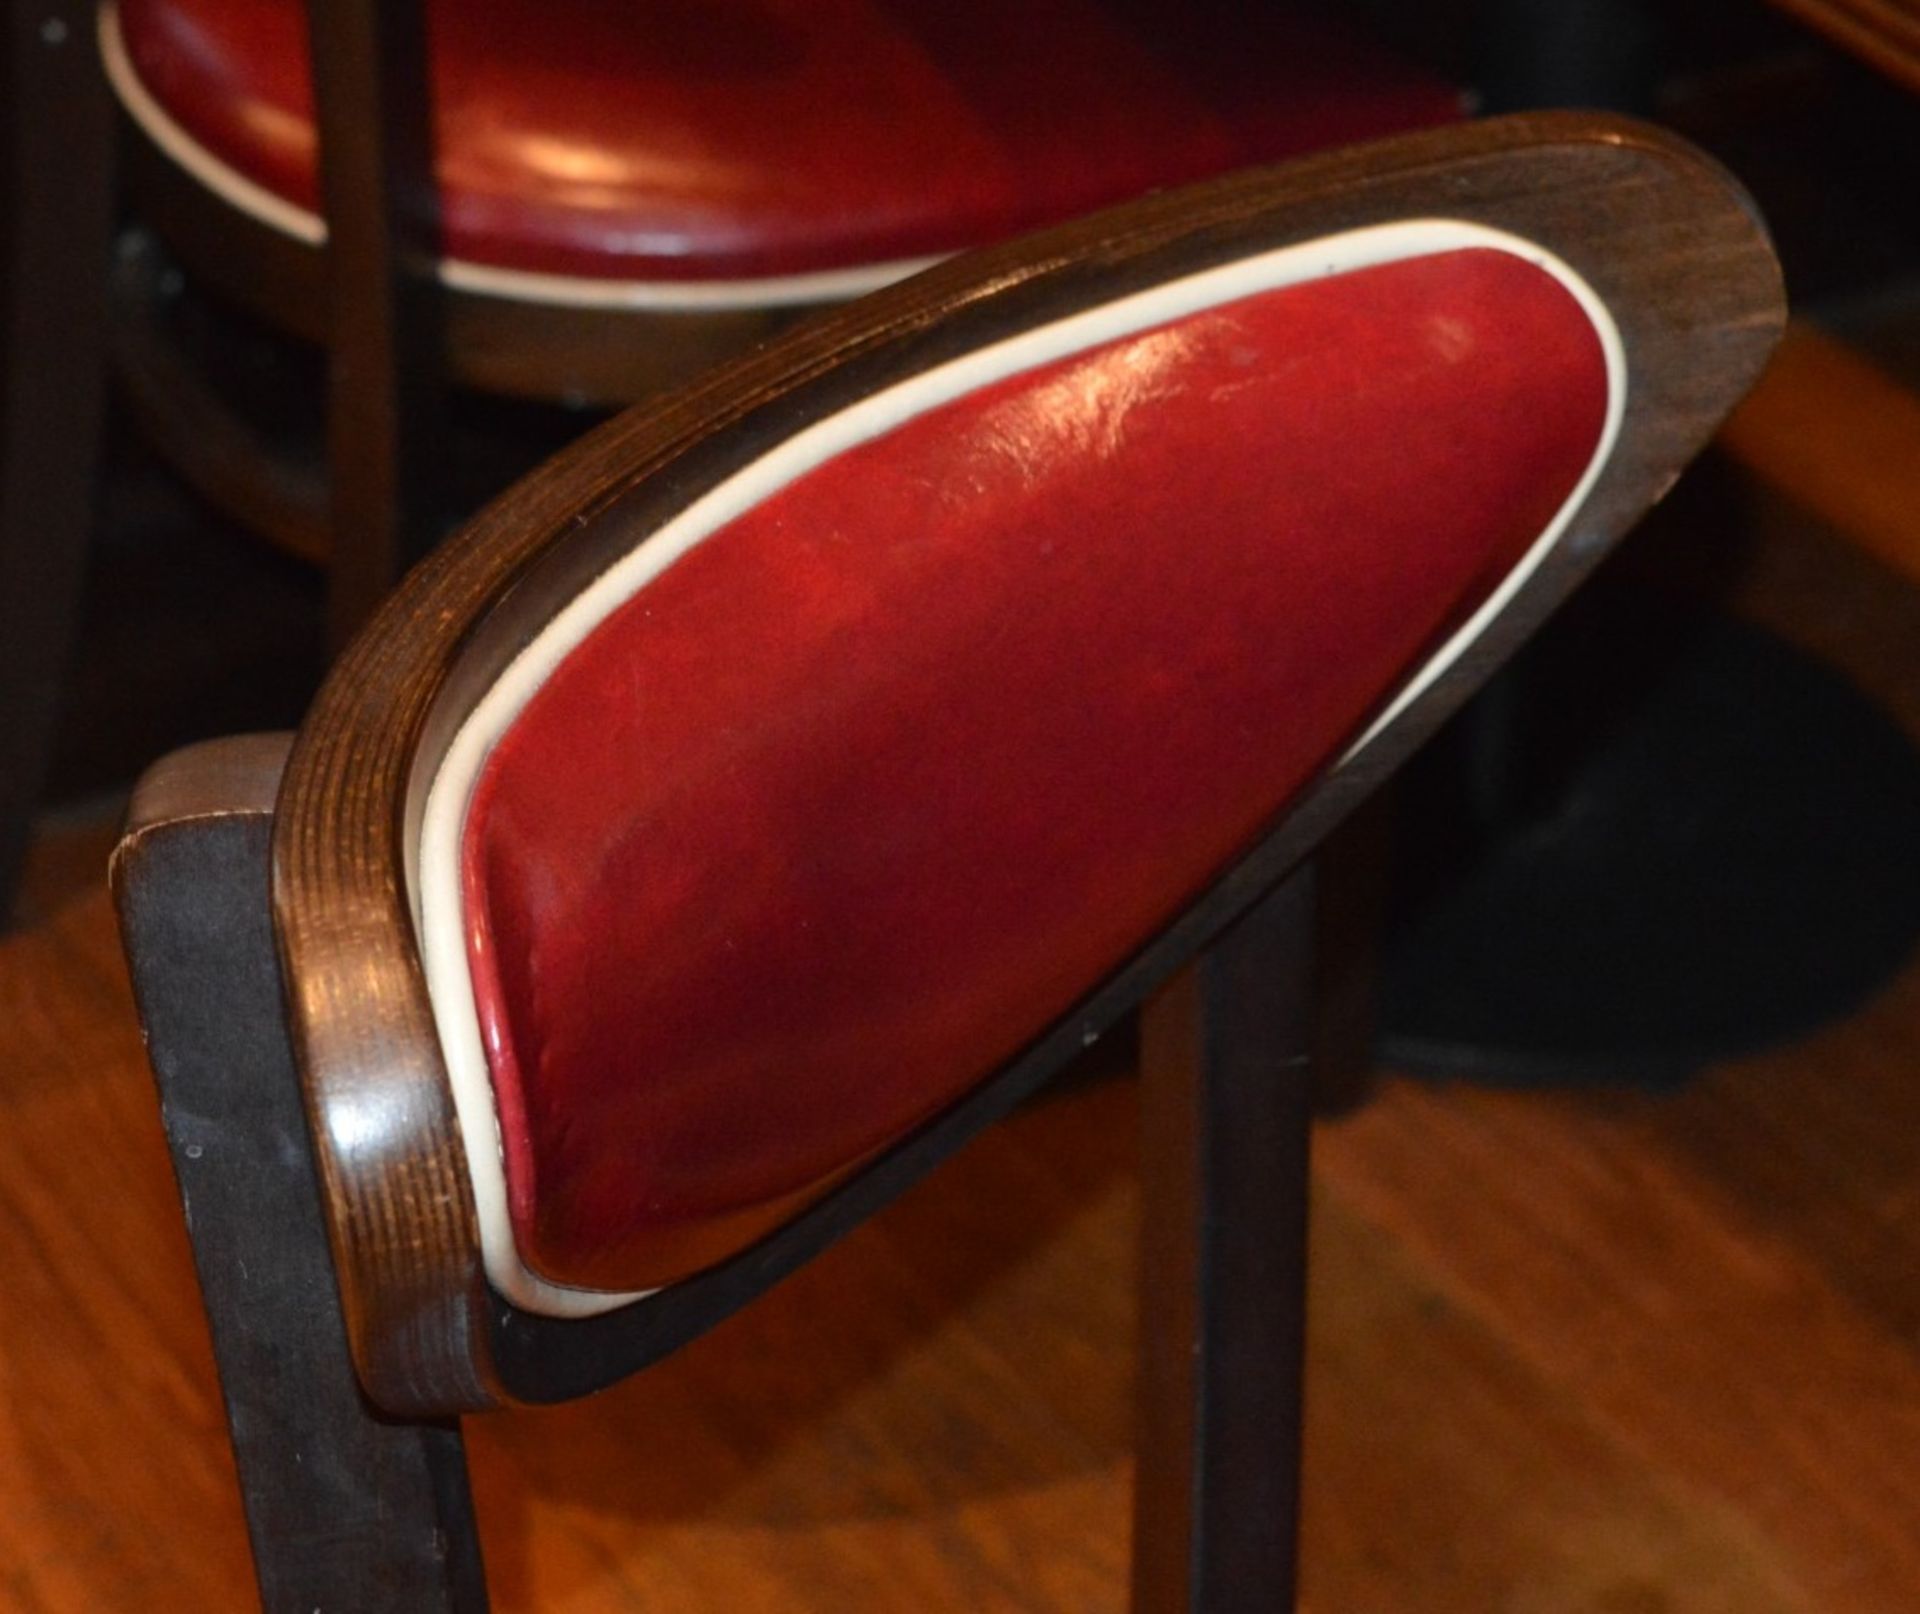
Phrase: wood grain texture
[1723,1275]
[345,1509]
[938,1412]
[1670,246]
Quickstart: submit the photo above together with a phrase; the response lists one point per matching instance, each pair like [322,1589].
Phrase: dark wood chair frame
[264,911]
[55,135]
[394,335]
[78,304]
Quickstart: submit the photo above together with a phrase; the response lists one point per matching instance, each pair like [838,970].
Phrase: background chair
[583,206]
[789,778]
[1734,814]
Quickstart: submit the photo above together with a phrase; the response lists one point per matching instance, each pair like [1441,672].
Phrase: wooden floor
[1602,1353]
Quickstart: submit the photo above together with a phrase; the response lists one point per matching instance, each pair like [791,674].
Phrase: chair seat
[873,782]
[690,141]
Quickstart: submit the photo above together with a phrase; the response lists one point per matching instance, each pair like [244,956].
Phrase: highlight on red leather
[858,775]
[696,140]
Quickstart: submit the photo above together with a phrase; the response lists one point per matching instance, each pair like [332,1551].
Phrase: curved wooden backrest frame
[1667,242]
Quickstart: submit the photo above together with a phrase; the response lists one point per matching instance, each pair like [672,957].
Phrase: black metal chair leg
[1226,1098]
[348,1511]
[56,197]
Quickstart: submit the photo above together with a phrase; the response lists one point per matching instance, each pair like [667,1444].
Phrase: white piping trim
[680,297]
[436,877]
[484,280]
[226,182]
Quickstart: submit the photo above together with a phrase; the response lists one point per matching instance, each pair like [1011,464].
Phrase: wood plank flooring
[1840,436]
[1596,1353]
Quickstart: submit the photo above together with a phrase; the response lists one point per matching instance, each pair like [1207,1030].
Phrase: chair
[599,203]
[786,780]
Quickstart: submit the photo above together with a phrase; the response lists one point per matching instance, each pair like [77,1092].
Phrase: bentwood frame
[1671,249]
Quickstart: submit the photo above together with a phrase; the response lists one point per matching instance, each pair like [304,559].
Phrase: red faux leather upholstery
[689,139]
[873,784]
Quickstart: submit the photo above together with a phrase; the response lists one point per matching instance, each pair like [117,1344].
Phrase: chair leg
[348,1511]
[1352,870]
[386,441]
[1225,1101]
[55,143]
[384,445]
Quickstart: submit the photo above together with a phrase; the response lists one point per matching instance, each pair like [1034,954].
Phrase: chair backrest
[763,797]
[868,765]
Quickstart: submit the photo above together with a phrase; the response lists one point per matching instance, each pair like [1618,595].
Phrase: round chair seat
[768,150]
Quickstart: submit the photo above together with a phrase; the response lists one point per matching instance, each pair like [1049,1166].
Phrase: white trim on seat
[435,874]
[485,280]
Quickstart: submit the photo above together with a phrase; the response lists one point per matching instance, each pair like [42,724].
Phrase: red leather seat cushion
[694,139]
[873,784]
